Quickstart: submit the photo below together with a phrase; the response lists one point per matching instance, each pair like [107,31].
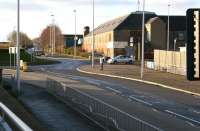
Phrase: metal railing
[107,116]
[7,113]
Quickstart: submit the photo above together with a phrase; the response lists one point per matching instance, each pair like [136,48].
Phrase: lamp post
[168,24]
[75,39]
[18,48]
[92,33]
[143,31]
[52,36]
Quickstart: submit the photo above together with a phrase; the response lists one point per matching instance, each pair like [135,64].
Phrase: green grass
[5,58]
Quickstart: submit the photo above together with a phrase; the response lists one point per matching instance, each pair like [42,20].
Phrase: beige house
[122,36]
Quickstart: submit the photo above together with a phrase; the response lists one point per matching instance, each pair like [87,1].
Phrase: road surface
[161,107]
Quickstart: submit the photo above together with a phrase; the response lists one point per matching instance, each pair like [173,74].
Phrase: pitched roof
[177,23]
[108,26]
[134,21]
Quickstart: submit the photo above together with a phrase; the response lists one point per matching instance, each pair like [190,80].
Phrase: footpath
[132,72]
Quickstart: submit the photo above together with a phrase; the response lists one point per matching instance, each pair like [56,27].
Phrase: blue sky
[36,14]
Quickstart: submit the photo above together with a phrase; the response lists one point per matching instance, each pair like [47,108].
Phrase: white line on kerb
[143,81]
[187,118]
[141,101]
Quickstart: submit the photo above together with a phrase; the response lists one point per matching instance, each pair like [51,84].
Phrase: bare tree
[45,40]
[25,41]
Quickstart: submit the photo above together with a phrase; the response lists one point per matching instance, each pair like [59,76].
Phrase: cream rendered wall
[101,42]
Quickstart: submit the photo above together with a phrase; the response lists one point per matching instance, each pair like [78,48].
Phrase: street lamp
[143,22]
[18,48]
[93,34]
[168,24]
[75,39]
[52,36]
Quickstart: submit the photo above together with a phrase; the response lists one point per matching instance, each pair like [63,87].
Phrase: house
[69,40]
[123,35]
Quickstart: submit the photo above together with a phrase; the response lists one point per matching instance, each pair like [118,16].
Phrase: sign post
[12,50]
[10,53]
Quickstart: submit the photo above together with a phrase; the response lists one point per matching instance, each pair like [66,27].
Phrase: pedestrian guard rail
[7,114]
[103,114]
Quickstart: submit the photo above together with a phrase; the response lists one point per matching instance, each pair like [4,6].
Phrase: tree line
[43,41]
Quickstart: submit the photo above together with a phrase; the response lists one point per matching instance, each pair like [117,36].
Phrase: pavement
[132,72]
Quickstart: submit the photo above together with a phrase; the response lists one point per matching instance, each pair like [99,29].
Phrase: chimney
[86,30]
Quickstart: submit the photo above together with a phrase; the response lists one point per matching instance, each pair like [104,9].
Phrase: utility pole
[75,39]
[168,24]
[18,47]
[52,36]
[93,34]
[143,33]
[50,39]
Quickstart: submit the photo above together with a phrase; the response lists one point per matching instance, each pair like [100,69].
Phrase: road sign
[12,50]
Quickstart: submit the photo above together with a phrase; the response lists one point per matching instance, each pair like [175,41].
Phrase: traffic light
[193,44]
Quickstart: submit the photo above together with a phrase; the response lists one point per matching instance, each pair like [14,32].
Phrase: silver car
[121,59]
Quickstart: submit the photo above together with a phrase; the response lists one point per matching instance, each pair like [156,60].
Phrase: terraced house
[123,35]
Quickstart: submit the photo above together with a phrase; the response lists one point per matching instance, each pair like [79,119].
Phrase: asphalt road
[150,103]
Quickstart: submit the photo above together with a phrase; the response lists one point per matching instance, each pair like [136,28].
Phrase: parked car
[121,59]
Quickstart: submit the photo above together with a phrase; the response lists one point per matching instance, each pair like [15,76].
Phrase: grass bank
[5,58]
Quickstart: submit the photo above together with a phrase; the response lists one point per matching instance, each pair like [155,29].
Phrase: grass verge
[5,58]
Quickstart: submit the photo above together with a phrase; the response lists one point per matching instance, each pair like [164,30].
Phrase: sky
[36,14]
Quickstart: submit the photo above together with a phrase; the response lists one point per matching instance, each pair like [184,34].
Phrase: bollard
[21,64]
[101,63]
[25,67]
[90,58]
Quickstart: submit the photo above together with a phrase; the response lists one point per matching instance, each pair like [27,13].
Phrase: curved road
[167,109]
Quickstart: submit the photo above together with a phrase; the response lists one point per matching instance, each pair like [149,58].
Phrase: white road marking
[190,124]
[155,110]
[93,82]
[141,101]
[198,112]
[116,91]
[143,81]
[187,118]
